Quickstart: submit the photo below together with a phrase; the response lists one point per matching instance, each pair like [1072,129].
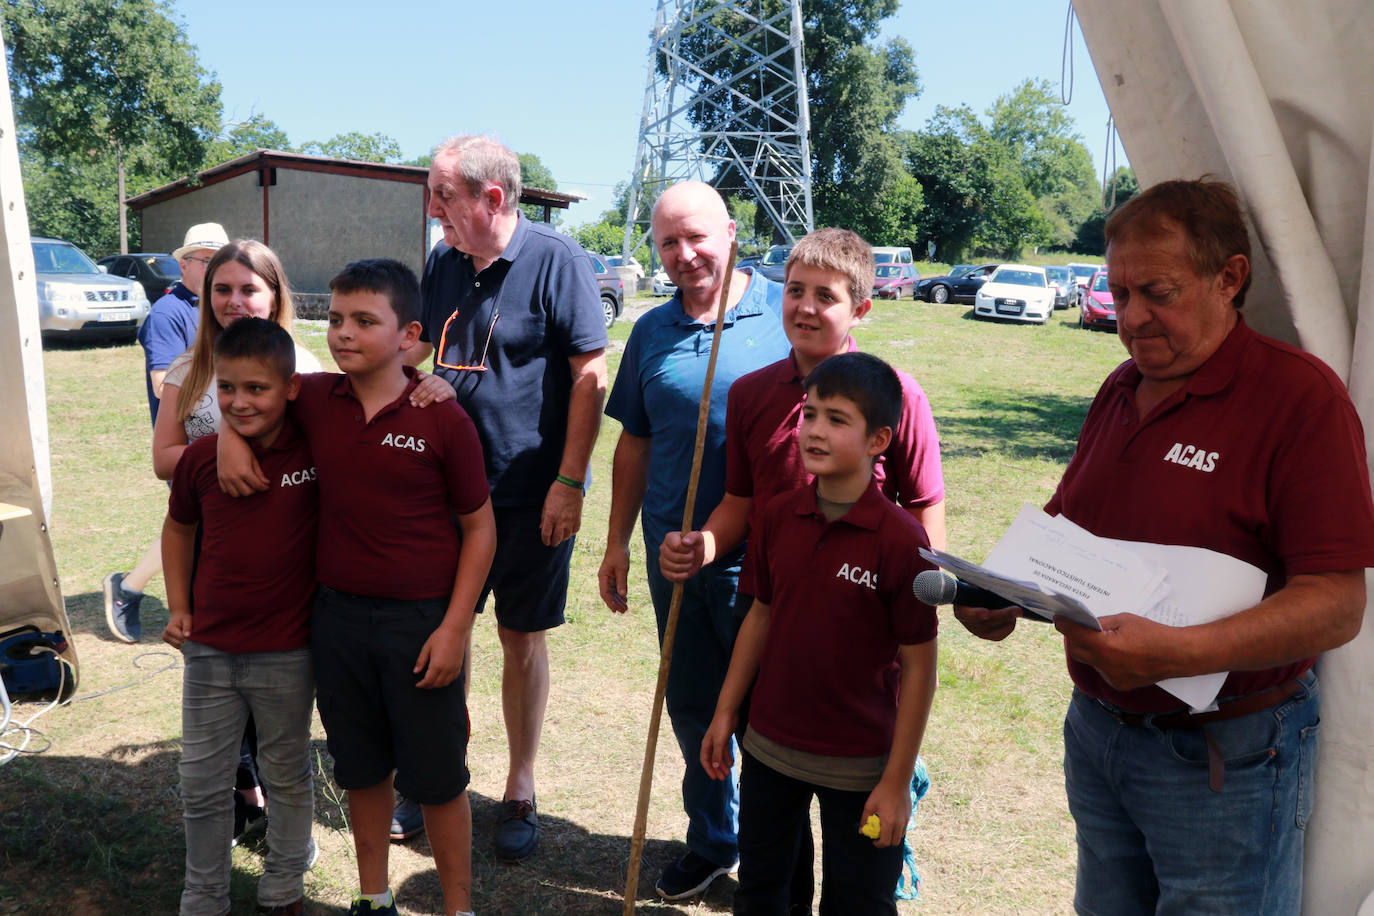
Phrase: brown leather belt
[1230,709]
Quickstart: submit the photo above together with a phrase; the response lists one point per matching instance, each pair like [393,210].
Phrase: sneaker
[517,829]
[312,856]
[689,876]
[121,609]
[364,907]
[282,909]
[407,820]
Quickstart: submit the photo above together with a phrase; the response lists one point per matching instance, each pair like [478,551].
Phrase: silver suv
[78,299]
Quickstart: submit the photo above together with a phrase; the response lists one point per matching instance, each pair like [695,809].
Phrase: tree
[856,90]
[1056,167]
[360,147]
[235,140]
[535,174]
[106,79]
[1121,188]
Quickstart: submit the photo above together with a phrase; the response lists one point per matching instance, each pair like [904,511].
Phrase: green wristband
[569,482]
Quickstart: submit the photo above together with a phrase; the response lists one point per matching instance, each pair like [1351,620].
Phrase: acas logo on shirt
[858,575]
[414,443]
[1191,456]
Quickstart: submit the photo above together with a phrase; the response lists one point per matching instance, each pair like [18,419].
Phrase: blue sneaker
[121,609]
[407,820]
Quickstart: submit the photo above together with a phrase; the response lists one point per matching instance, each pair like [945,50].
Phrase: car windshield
[883,257]
[597,266]
[1083,271]
[164,266]
[60,258]
[887,271]
[1057,274]
[1019,277]
[1100,284]
[958,270]
[775,256]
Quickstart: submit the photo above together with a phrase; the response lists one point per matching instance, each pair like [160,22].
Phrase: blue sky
[558,80]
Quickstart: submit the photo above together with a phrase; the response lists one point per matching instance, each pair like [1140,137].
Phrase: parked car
[1061,279]
[751,261]
[1082,275]
[1097,310]
[615,260]
[156,272]
[662,285]
[1018,292]
[891,254]
[612,289]
[773,264]
[892,281]
[961,282]
[78,299]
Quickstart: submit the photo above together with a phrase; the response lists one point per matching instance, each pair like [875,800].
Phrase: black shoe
[517,830]
[689,876]
[121,609]
[407,820]
[249,820]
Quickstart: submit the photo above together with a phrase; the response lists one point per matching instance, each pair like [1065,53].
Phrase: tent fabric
[1275,97]
[29,590]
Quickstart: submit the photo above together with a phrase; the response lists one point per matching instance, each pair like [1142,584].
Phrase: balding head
[693,232]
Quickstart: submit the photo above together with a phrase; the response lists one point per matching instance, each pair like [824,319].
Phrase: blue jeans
[1154,839]
[705,636]
[219,691]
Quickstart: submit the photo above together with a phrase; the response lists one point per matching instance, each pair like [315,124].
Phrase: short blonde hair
[841,251]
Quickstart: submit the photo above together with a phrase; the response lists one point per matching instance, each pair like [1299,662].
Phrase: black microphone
[937,587]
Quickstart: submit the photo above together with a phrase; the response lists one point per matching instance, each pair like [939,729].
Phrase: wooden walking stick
[665,656]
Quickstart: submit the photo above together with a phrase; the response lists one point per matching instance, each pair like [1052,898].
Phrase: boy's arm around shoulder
[891,799]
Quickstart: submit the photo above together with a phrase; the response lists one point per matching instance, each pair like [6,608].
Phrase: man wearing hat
[167,332]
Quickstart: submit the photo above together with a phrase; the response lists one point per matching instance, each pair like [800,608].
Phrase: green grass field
[91,825]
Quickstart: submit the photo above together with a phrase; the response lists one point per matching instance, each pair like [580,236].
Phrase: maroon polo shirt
[762,426]
[255,576]
[1260,456]
[840,603]
[386,489]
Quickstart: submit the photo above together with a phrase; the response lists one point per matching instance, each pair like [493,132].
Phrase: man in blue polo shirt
[512,313]
[656,398]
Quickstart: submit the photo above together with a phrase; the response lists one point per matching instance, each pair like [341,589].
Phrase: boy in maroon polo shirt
[398,579]
[828,281]
[844,657]
[245,638]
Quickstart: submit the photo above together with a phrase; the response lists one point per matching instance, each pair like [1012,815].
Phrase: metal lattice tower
[725,103]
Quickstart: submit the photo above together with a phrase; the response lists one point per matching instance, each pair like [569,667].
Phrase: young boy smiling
[844,656]
[827,290]
[246,644]
[398,579]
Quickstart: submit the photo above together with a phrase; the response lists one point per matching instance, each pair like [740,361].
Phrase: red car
[1095,307]
[893,281]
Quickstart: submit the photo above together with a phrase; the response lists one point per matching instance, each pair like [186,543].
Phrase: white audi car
[1018,292]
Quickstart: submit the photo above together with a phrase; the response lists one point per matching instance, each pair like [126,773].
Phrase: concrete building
[316,213]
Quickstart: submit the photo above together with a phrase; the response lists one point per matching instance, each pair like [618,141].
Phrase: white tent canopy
[1277,97]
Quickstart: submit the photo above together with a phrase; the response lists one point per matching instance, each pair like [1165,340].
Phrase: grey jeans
[219,690]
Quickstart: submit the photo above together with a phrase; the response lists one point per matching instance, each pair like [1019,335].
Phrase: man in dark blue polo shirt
[513,316]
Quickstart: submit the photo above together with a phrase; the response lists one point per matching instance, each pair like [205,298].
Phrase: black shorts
[530,581]
[375,719]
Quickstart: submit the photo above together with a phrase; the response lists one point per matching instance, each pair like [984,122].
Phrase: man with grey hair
[656,398]
[512,314]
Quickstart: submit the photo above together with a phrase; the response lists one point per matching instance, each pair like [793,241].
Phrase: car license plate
[115,316]
[1010,306]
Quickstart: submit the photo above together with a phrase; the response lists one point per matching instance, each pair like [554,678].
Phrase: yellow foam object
[871,827]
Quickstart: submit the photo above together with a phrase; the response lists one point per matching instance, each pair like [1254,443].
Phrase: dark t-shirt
[255,576]
[521,318]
